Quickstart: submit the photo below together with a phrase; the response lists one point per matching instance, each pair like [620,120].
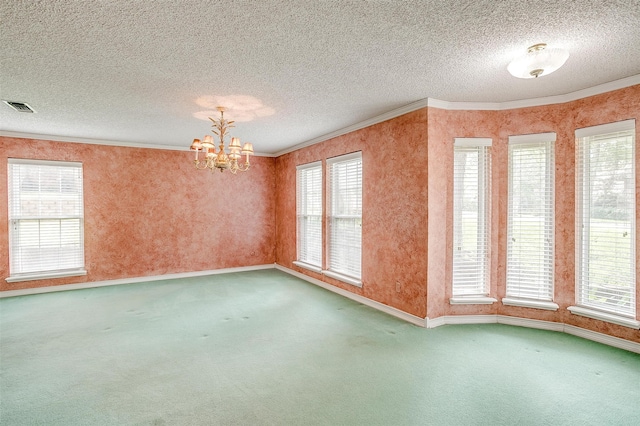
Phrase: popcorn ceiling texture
[133,71]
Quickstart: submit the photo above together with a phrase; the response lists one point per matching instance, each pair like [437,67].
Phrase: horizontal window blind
[471,213]
[46,216]
[345,215]
[530,219]
[605,219]
[309,213]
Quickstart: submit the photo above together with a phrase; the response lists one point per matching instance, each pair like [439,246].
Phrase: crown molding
[548,100]
[360,125]
[125,144]
[72,139]
[471,106]
[422,103]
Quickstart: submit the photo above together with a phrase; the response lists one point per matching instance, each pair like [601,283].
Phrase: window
[530,221]
[605,219]
[471,214]
[345,218]
[309,215]
[46,219]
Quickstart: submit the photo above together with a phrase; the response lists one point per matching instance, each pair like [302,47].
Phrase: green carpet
[265,348]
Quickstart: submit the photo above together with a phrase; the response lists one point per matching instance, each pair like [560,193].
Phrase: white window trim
[341,277]
[533,138]
[309,165]
[308,266]
[58,273]
[356,281]
[587,311]
[472,142]
[474,299]
[45,162]
[604,316]
[529,303]
[44,276]
[344,157]
[537,138]
[299,262]
[618,126]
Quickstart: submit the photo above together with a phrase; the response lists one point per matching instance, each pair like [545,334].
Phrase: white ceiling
[136,72]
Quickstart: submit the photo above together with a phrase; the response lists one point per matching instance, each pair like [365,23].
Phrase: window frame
[520,289]
[302,204]
[17,270]
[342,274]
[464,291]
[602,311]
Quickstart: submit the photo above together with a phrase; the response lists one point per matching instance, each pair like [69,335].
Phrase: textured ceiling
[142,72]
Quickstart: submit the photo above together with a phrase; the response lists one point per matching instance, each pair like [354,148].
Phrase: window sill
[603,316]
[472,300]
[46,275]
[343,278]
[308,266]
[528,303]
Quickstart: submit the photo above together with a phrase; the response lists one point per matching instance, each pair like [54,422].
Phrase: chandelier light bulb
[538,61]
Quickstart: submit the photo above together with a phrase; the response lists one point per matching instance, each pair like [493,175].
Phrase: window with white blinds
[46,218]
[530,219]
[309,213]
[471,216]
[605,218]
[345,215]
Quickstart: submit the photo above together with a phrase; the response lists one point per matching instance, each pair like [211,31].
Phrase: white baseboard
[616,342]
[421,322]
[436,322]
[470,319]
[531,323]
[93,284]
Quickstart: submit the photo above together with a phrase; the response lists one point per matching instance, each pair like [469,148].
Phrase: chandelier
[220,160]
[538,61]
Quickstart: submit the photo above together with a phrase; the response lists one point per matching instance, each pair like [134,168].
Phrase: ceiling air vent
[19,106]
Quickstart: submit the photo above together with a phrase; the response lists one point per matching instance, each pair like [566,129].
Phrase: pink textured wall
[394,230]
[148,212]
[444,126]
[563,119]
[395,243]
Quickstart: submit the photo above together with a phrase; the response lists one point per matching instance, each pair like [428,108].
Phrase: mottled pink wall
[394,230]
[386,246]
[550,118]
[563,119]
[148,212]
[444,126]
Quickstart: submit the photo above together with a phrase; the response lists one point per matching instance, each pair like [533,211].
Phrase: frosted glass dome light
[538,61]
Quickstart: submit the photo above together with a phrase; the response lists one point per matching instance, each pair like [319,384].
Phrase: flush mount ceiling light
[220,160]
[539,60]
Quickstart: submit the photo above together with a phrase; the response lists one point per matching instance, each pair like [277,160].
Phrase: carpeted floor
[265,348]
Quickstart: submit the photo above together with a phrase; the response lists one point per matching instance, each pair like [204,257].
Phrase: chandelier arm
[200,165]
[221,161]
